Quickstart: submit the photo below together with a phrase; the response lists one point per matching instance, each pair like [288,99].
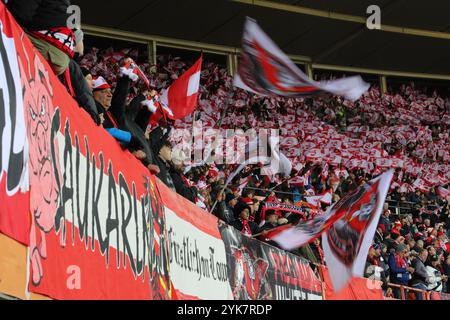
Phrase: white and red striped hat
[100,84]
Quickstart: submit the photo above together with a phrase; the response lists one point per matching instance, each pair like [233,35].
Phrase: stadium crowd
[334,146]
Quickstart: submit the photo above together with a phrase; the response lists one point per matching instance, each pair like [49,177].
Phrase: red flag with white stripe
[180,99]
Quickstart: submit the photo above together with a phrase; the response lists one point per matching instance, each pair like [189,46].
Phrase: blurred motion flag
[180,99]
[347,230]
[346,243]
[266,70]
[266,151]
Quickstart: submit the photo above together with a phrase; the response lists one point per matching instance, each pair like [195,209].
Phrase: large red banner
[98,225]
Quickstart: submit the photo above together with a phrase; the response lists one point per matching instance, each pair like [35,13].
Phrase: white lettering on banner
[286,293]
[198,263]
[102,209]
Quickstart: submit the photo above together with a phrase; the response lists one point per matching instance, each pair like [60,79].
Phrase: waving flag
[274,161]
[346,243]
[325,198]
[266,70]
[349,207]
[180,99]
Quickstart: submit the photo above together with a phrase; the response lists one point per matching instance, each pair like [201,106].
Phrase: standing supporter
[420,276]
[225,207]
[271,220]
[436,279]
[80,84]
[138,113]
[113,108]
[243,224]
[447,272]
[181,183]
[163,156]
[375,265]
[384,219]
[400,272]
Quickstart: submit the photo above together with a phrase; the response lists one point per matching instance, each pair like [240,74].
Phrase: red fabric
[177,95]
[357,289]
[15,217]
[246,228]
[399,261]
[61,37]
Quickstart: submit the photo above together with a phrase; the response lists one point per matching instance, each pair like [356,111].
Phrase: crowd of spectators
[334,146]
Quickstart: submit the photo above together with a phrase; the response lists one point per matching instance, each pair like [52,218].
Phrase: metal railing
[425,295]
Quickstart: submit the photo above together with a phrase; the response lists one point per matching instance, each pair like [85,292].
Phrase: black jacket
[420,272]
[181,187]
[117,110]
[115,116]
[35,15]
[225,213]
[136,121]
[83,94]
[164,174]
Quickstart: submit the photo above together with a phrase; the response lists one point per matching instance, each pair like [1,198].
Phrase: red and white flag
[325,198]
[266,70]
[442,192]
[352,221]
[346,243]
[180,99]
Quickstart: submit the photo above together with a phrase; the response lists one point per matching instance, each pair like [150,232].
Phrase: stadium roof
[415,35]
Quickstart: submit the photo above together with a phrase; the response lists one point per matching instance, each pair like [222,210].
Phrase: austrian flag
[180,99]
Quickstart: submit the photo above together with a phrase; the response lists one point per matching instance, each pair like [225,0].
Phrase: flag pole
[219,125]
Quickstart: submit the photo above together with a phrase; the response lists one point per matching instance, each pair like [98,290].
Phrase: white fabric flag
[266,70]
[275,161]
[346,243]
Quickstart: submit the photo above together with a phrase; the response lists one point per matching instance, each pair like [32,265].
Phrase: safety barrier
[425,295]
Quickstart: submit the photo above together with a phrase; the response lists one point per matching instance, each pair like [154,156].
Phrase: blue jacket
[399,275]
